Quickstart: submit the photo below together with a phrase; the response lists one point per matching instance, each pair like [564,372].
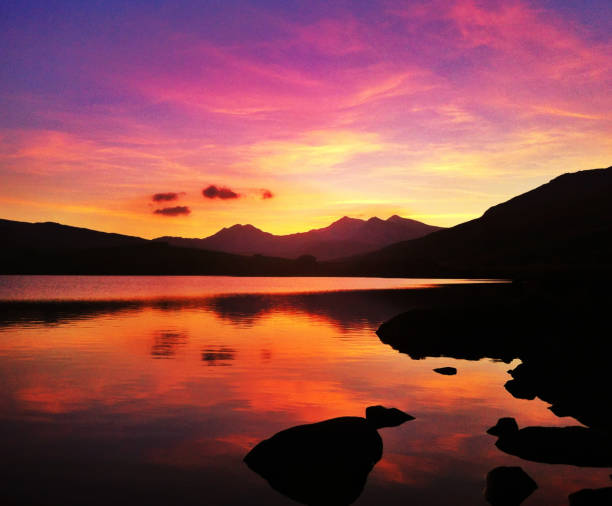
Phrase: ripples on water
[152,390]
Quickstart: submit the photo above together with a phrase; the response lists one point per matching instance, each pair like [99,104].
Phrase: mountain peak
[395,219]
[346,219]
[344,237]
[244,228]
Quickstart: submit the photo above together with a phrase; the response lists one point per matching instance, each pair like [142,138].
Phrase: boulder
[324,463]
[591,497]
[380,417]
[508,486]
[578,446]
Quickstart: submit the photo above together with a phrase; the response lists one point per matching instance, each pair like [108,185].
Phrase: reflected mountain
[324,463]
[344,309]
[50,313]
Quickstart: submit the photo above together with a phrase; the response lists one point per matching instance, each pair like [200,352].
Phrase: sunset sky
[181,117]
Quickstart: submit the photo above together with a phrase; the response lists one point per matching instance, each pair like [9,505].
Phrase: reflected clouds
[166,343]
[221,355]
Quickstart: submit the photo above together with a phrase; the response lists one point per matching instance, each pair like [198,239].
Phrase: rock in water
[508,486]
[505,427]
[380,417]
[577,446]
[446,371]
[591,497]
[324,463]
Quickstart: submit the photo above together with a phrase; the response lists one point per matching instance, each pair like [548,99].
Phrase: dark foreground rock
[591,497]
[446,371]
[508,486]
[379,417]
[555,327]
[578,446]
[439,332]
[324,463]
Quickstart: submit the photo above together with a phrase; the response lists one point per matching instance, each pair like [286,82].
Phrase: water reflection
[221,355]
[344,309]
[166,343]
[100,397]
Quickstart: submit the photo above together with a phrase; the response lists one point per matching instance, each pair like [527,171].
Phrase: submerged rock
[508,486]
[591,497]
[446,371]
[324,463]
[578,446]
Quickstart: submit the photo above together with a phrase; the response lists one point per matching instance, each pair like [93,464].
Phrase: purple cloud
[173,211]
[166,197]
[222,192]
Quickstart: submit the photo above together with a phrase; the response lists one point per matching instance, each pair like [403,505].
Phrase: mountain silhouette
[563,225]
[345,237]
[566,223]
[50,235]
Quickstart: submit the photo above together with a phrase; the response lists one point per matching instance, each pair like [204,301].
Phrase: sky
[156,118]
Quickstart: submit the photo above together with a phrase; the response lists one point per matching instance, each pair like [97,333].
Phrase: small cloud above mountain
[266,194]
[173,211]
[166,197]
[219,192]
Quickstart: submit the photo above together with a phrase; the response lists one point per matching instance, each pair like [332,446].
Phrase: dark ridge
[343,237]
[564,224]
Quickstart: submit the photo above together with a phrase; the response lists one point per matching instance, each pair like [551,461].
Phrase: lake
[151,390]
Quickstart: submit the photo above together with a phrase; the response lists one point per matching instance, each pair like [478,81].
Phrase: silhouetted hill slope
[347,236]
[564,223]
[148,258]
[49,235]
[51,248]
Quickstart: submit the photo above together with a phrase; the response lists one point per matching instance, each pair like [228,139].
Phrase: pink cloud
[166,197]
[219,192]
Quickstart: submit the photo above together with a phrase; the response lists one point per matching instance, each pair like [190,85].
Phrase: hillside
[566,223]
[49,235]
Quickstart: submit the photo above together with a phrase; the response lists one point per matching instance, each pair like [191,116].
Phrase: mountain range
[345,237]
[563,225]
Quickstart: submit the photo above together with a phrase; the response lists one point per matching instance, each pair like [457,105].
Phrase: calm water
[150,390]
